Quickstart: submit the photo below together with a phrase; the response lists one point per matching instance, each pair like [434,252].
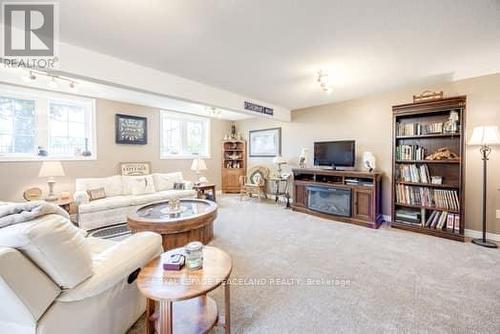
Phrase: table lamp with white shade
[51,169]
[484,136]
[198,165]
[279,160]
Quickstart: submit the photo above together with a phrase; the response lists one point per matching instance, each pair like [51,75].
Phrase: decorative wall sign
[258,108]
[135,168]
[265,143]
[131,129]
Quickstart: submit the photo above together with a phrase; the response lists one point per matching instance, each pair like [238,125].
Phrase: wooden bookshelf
[234,165]
[452,171]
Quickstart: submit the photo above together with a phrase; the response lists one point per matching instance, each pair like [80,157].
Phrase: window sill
[184,157]
[37,158]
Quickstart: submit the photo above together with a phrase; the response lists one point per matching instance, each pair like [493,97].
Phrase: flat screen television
[335,153]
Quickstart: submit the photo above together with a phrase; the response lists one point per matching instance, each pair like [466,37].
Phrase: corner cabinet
[347,196]
[234,165]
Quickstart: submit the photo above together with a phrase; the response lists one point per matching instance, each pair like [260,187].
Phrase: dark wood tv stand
[365,196]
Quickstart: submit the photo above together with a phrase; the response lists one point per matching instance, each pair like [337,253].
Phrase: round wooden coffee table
[184,306]
[193,223]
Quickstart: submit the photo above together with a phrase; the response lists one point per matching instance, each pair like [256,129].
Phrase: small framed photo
[131,129]
[437,180]
[265,143]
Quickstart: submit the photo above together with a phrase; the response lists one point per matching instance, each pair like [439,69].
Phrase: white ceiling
[272,49]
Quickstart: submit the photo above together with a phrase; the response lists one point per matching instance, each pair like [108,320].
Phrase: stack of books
[414,173]
[443,199]
[416,129]
[409,216]
[444,220]
[410,152]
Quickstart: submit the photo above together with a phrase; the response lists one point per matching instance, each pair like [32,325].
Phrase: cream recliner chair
[55,280]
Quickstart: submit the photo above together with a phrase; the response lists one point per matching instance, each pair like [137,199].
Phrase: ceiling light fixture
[324,81]
[54,80]
[214,112]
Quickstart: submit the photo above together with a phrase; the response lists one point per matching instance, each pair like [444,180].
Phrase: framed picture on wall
[131,129]
[265,143]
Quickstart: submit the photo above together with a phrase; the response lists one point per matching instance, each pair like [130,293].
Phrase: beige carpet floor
[319,276]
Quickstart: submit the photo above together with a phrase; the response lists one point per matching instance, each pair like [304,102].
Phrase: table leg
[165,317]
[227,308]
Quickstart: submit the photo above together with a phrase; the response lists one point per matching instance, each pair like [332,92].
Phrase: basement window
[37,125]
[183,136]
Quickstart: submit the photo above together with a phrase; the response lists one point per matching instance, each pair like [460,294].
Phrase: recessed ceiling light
[324,81]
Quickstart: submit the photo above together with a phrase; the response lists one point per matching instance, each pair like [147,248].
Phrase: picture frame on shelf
[265,143]
[131,129]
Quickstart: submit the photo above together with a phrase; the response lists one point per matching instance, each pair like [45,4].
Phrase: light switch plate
[498,214]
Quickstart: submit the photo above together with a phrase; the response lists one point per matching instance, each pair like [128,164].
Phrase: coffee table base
[204,233]
[197,315]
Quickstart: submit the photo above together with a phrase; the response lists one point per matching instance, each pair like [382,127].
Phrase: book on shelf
[424,196]
[444,220]
[410,152]
[417,129]
[439,220]
[414,173]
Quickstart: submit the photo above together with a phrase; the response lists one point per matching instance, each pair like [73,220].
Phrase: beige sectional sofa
[123,195]
[54,280]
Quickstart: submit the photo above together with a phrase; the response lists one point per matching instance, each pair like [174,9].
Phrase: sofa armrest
[115,264]
[26,291]
[81,197]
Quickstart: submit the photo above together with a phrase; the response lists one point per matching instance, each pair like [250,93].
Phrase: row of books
[439,198]
[410,152]
[416,129]
[444,219]
[437,219]
[414,173]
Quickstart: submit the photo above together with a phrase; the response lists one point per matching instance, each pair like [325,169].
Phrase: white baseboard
[468,233]
[479,234]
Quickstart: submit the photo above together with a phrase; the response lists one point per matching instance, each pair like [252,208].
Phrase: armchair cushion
[115,263]
[55,245]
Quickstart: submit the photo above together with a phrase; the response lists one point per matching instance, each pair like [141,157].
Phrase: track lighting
[53,82]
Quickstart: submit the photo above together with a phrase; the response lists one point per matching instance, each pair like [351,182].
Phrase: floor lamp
[485,136]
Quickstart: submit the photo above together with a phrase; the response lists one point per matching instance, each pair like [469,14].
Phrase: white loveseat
[123,195]
[54,280]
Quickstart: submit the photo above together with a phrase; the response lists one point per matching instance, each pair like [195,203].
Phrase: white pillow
[138,185]
[55,245]
[165,181]
[112,185]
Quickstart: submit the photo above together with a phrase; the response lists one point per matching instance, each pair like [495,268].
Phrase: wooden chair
[255,182]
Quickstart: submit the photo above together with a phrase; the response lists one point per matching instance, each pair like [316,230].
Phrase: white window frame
[185,117]
[42,100]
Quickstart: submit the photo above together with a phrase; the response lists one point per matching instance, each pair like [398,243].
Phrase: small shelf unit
[234,165]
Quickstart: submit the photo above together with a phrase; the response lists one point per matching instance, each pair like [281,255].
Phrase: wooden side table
[65,204]
[205,191]
[183,306]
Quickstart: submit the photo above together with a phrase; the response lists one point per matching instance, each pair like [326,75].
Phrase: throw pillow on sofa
[138,185]
[166,181]
[95,194]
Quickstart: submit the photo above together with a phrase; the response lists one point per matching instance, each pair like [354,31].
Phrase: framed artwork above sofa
[131,129]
